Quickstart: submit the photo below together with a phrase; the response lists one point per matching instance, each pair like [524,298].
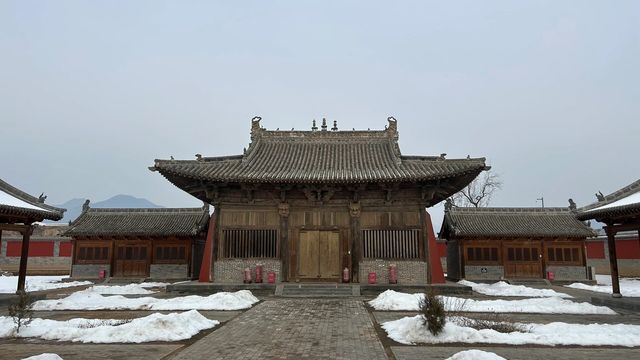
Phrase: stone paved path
[294,329]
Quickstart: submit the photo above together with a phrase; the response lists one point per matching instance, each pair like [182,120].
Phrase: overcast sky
[92,92]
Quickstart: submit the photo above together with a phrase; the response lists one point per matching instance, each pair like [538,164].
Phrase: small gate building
[308,204]
[514,243]
[133,242]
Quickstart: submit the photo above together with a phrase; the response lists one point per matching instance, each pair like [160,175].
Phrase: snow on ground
[129,289]
[475,355]
[238,300]
[9,284]
[629,287]
[392,300]
[45,356]
[501,288]
[410,330]
[155,327]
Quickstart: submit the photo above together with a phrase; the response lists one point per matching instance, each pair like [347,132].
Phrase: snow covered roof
[622,203]
[17,205]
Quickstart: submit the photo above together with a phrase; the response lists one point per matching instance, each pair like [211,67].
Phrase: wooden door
[132,259]
[319,255]
[523,260]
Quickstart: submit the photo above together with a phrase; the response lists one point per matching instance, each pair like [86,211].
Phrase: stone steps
[317,290]
[541,282]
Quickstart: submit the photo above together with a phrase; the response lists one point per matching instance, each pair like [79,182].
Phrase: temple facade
[307,205]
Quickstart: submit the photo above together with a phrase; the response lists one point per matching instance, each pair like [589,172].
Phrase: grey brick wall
[477,273]
[409,272]
[89,271]
[169,271]
[36,264]
[568,272]
[231,270]
[626,267]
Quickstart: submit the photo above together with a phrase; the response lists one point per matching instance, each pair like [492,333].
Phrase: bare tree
[479,192]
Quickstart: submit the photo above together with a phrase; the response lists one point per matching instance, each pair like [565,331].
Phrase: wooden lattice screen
[243,243]
[391,244]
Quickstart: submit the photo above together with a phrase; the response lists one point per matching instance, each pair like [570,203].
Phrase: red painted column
[435,266]
[207,256]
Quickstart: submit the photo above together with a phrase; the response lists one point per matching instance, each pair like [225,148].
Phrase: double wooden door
[523,260]
[319,255]
[132,259]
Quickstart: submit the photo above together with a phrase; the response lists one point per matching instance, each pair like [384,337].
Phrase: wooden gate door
[132,259]
[319,255]
[523,260]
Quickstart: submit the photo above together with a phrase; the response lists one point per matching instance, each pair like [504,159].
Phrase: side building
[163,243]
[309,204]
[514,243]
[49,251]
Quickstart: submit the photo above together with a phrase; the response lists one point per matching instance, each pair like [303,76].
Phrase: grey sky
[92,92]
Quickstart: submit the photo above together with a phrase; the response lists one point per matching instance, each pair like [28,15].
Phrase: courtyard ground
[307,328]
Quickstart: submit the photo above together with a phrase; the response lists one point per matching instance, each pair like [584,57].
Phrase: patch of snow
[10,200]
[129,289]
[475,355]
[501,288]
[627,200]
[238,300]
[9,284]
[392,300]
[45,356]
[629,287]
[410,330]
[155,327]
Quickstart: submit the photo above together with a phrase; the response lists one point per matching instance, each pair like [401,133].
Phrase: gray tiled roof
[525,222]
[42,212]
[591,211]
[140,222]
[321,157]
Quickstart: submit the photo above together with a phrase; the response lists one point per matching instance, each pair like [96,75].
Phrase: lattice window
[250,243]
[391,244]
[93,254]
[482,255]
[522,254]
[170,254]
[564,255]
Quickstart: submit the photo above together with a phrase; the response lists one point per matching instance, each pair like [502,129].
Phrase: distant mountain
[74,206]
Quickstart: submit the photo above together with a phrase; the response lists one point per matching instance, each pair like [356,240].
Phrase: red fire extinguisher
[259,273]
[247,276]
[345,275]
[372,278]
[393,274]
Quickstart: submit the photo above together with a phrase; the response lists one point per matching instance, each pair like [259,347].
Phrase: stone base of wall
[409,272]
[231,271]
[568,272]
[626,267]
[169,271]
[89,271]
[483,272]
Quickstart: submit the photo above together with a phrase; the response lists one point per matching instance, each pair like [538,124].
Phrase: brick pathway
[293,329]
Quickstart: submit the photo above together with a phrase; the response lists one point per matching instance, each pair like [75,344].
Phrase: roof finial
[85,206]
[313,125]
[335,126]
[572,205]
[600,196]
[324,124]
[199,157]
[42,198]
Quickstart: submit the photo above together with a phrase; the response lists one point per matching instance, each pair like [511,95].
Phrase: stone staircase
[317,290]
[538,282]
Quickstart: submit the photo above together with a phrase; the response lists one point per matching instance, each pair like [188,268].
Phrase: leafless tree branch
[479,192]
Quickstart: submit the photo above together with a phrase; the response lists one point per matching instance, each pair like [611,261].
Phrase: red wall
[65,249]
[442,248]
[628,249]
[595,250]
[39,248]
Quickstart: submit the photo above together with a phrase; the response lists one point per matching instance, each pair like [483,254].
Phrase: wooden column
[354,211]
[206,266]
[283,211]
[24,256]
[613,261]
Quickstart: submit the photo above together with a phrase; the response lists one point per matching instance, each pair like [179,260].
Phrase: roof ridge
[630,189]
[147,210]
[509,209]
[29,199]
